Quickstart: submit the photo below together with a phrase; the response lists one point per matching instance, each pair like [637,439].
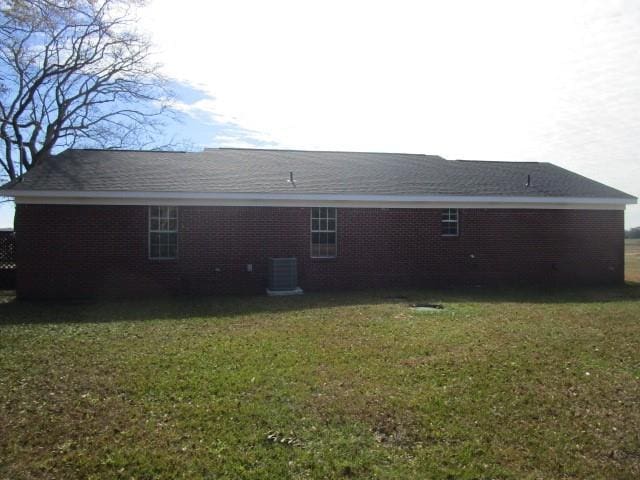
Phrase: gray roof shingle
[267,171]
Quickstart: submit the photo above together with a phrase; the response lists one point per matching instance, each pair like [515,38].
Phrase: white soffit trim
[307,200]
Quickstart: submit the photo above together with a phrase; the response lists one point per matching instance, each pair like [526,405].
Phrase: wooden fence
[7,260]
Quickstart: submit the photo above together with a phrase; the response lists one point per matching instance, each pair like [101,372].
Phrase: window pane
[450,228]
[323,227]
[449,221]
[163,236]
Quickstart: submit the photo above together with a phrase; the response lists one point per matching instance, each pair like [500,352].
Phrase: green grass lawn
[497,385]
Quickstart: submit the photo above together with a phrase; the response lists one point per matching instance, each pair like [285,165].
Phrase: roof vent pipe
[528,180]
[291,181]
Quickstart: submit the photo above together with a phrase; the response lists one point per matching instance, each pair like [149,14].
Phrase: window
[323,232]
[163,233]
[450,222]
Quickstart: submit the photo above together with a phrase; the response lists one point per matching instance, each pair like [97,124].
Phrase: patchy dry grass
[632,260]
[497,385]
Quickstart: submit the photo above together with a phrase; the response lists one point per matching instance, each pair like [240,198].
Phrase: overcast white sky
[555,81]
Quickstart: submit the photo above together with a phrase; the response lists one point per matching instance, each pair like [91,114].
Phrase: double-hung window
[323,232]
[163,233]
[449,222]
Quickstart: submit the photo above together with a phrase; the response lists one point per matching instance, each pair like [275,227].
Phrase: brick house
[97,222]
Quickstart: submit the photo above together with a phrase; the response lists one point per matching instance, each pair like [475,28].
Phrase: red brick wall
[75,251]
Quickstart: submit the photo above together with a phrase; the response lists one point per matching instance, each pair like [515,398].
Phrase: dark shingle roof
[267,171]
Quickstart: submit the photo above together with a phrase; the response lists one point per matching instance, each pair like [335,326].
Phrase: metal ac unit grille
[283,274]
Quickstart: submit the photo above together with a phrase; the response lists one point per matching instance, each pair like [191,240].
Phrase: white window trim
[335,230]
[456,221]
[150,231]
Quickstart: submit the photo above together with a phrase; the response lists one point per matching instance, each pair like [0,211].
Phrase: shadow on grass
[13,312]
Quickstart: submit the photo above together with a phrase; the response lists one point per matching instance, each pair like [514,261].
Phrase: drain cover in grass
[427,307]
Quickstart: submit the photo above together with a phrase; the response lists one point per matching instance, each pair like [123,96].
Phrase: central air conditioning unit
[283,276]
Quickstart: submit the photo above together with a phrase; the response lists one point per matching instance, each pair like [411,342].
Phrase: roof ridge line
[126,150]
[318,151]
[496,161]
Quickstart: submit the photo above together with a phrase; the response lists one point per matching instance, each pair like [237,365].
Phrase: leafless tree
[74,72]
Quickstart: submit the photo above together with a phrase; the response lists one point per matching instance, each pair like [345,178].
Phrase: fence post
[7,260]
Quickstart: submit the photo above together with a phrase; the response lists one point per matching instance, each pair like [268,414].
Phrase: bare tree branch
[75,72]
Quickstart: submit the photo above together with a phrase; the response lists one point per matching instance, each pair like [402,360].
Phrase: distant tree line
[632,233]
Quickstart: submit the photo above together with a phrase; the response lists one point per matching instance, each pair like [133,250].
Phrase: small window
[163,233]
[323,232]
[450,222]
